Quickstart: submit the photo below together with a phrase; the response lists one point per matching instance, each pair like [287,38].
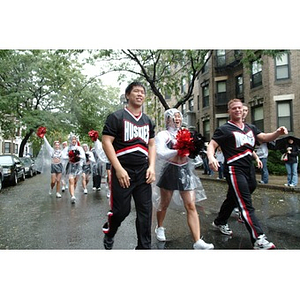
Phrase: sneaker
[292,185]
[94,189]
[262,244]
[160,234]
[223,228]
[99,189]
[85,191]
[201,245]
[50,191]
[286,184]
[108,242]
[63,189]
[58,195]
[73,199]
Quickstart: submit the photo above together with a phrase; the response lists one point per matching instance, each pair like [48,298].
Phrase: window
[205,94]
[239,86]
[191,104]
[282,67]
[284,114]
[184,85]
[221,93]
[221,58]
[205,67]
[6,147]
[17,149]
[183,109]
[256,76]
[206,130]
[221,121]
[258,117]
[198,102]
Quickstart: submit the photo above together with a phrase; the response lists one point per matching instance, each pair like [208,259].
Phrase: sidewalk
[275,182]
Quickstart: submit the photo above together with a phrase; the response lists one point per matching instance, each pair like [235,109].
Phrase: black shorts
[56,168]
[176,178]
[86,169]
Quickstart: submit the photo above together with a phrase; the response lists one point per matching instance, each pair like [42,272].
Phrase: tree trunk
[24,141]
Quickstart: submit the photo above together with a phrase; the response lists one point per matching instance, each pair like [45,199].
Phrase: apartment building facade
[271,90]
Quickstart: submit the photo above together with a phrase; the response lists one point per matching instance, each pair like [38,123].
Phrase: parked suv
[13,168]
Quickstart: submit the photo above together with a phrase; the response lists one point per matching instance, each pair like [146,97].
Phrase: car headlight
[7,171]
[26,169]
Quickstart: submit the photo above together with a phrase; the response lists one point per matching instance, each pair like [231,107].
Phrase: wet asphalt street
[32,219]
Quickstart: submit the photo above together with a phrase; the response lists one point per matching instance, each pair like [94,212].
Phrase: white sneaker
[236,210]
[63,188]
[201,245]
[94,189]
[223,228]
[99,189]
[263,244]
[85,191]
[160,234]
[58,195]
[73,199]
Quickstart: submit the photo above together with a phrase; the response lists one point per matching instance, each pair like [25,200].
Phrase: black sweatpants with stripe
[241,184]
[120,201]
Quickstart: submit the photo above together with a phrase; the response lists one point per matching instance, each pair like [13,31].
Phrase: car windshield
[25,160]
[5,160]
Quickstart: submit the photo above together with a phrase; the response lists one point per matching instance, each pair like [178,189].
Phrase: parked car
[30,168]
[13,168]
[1,177]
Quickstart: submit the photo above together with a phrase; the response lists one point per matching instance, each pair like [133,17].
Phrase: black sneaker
[108,242]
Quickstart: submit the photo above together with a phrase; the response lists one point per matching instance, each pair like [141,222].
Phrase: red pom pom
[94,135]
[74,156]
[184,143]
[41,131]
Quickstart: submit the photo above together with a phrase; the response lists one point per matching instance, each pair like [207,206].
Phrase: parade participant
[100,157]
[128,141]
[87,167]
[63,175]
[76,157]
[96,171]
[237,140]
[56,161]
[177,175]
[220,159]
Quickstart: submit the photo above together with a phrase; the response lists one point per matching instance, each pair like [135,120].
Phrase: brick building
[271,89]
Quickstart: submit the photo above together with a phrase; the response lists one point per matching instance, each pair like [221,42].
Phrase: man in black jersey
[237,141]
[128,142]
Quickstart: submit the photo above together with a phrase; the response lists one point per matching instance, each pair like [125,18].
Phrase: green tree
[165,70]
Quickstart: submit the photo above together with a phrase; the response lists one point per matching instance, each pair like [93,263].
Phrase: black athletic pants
[241,184]
[121,204]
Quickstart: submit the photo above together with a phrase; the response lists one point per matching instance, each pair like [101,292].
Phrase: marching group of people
[71,162]
[158,171]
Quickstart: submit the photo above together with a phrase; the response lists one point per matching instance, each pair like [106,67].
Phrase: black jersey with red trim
[132,135]
[237,144]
